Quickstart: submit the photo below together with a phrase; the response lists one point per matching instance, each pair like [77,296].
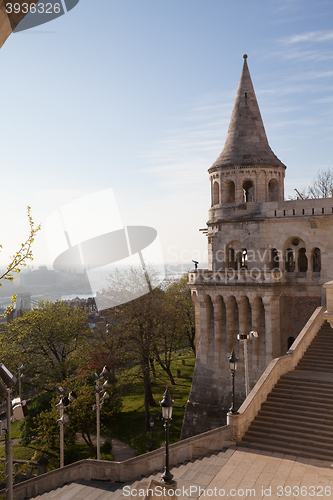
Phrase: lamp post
[152,423]
[244,337]
[5,391]
[20,376]
[166,405]
[64,419]
[99,404]
[233,367]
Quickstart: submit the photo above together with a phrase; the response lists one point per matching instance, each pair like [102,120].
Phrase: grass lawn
[129,425]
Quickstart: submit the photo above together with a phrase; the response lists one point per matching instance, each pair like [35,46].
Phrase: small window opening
[313,211]
[316,260]
[248,191]
[290,260]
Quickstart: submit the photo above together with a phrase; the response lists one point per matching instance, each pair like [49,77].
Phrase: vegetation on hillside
[147,343]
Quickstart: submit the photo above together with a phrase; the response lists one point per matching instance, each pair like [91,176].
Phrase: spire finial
[245,56]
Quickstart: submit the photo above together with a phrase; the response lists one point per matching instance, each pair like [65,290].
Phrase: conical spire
[246,142]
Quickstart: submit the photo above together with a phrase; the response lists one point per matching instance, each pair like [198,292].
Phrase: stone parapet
[250,276]
[101,470]
[271,209]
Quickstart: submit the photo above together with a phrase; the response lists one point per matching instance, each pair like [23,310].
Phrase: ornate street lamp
[244,337]
[20,376]
[64,419]
[99,404]
[152,423]
[166,406]
[5,391]
[233,367]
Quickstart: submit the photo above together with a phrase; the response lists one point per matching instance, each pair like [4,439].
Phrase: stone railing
[101,470]
[243,276]
[298,208]
[277,367]
[248,276]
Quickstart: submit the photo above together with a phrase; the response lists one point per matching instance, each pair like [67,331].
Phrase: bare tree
[322,185]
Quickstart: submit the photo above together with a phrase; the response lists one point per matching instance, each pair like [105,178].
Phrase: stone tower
[267,261]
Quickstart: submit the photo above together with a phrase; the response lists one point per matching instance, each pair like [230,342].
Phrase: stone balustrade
[246,276]
[102,470]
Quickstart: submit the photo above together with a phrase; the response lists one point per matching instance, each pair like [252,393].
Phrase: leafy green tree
[149,328]
[82,411]
[180,295]
[43,426]
[52,340]
[28,427]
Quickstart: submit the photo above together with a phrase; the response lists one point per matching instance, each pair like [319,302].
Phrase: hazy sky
[136,95]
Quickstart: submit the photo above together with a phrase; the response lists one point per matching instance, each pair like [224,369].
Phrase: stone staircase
[297,417]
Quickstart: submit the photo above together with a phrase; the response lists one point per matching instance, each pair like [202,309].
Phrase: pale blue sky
[136,95]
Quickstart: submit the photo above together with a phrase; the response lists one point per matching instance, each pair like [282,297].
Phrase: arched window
[273,190]
[216,194]
[248,191]
[302,261]
[316,260]
[229,189]
[290,260]
[231,259]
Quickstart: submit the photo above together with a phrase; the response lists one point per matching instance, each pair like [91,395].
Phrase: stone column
[220,330]
[200,327]
[231,320]
[272,327]
[209,329]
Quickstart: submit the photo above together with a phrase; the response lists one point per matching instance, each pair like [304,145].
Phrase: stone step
[316,351]
[281,403]
[307,426]
[297,414]
[308,367]
[288,391]
[320,347]
[299,383]
[286,450]
[301,392]
[292,436]
[305,380]
[320,420]
[289,445]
